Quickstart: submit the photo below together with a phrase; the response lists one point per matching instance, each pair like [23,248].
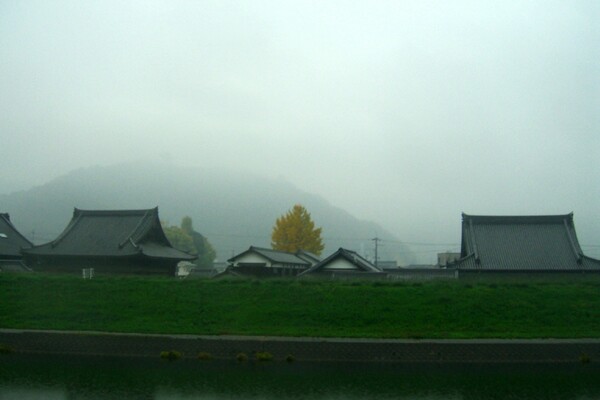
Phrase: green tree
[185,238]
[206,254]
[179,239]
[187,225]
[296,231]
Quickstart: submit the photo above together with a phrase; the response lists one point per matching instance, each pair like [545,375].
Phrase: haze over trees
[242,87]
[296,231]
[235,209]
[185,238]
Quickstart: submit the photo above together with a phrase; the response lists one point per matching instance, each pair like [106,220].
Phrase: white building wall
[252,258]
[340,264]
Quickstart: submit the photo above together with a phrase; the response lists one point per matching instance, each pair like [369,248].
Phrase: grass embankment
[302,308]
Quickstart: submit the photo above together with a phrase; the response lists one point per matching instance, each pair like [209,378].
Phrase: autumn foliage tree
[296,231]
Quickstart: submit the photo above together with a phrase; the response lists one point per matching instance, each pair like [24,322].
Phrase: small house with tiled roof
[12,243]
[110,241]
[263,262]
[521,244]
[312,258]
[344,263]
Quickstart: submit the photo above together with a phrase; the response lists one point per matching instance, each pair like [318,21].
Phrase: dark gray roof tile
[11,240]
[112,233]
[275,256]
[522,243]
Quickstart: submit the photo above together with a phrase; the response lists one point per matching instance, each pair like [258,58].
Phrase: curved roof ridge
[138,228]
[7,221]
[140,211]
[76,218]
[572,242]
[474,242]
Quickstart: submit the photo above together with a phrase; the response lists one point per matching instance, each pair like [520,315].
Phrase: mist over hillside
[232,209]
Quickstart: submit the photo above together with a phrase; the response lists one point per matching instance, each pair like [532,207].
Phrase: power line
[363,239]
[421,243]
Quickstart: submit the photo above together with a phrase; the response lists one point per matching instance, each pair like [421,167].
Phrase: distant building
[387,264]
[346,264]
[12,243]
[111,242]
[217,269]
[419,266]
[443,259]
[262,262]
[521,244]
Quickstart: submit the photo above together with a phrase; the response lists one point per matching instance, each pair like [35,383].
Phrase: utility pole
[376,240]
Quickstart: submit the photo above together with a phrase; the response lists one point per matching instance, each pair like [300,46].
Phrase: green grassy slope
[302,308]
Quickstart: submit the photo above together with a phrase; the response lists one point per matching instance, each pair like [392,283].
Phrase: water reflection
[37,377]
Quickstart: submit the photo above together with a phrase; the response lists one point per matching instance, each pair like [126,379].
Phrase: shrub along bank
[302,308]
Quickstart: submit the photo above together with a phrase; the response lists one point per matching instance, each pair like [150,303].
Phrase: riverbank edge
[301,348]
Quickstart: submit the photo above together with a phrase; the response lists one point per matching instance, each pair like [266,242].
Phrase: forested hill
[233,210]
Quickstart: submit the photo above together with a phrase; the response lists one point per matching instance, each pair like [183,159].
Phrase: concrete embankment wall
[303,349]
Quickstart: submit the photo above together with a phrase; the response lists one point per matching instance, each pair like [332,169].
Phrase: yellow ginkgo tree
[296,231]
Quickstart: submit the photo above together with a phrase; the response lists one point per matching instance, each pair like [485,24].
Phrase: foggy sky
[403,112]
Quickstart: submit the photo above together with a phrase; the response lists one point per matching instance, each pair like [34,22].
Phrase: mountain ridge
[232,209]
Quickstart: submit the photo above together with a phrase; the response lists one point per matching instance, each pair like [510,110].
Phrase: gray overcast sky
[403,112]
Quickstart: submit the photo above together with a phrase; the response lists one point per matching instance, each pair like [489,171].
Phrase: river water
[51,377]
